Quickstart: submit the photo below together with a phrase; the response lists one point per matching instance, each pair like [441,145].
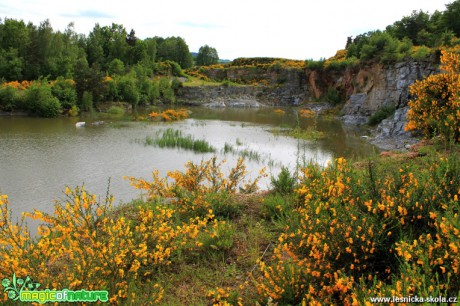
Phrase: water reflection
[39,157]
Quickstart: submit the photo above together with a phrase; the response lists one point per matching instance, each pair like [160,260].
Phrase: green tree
[40,100]
[68,53]
[174,49]
[207,56]
[128,90]
[451,17]
[65,91]
[10,64]
[116,67]
[131,38]
[411,26]
[14,39]
[88,79]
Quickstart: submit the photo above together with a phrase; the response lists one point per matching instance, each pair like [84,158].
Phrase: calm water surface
[39,157]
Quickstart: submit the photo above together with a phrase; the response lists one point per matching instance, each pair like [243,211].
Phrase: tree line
[396,42]
[28,51]
[108,64]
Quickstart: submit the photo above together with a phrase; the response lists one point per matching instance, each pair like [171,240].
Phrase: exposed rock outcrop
[378,86]
[390,133]
[365,89]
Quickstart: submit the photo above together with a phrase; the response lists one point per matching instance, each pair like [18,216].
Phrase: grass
[171,138]
[116,110]
[197,82]
[189,281]
[309,133]
[247,154]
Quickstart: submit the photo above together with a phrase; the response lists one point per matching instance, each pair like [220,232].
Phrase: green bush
[421,53]
[315,65]
[166,91]
[219,237]
[333,96]
[10,99]
[381,114]
[176,84]
[277,207]
[116,110]
[64,91]
[116,67]
[223,204]
[112,93]
[284,183]
[128,90]
[379,46]
[40,101]
[87,101]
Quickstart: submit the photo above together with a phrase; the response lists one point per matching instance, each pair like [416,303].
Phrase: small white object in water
[96,123]
[80,124]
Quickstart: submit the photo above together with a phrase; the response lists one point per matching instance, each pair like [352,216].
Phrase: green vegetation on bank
[109,64]
[112,64]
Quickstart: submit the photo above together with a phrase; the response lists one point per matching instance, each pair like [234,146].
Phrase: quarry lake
[39,157]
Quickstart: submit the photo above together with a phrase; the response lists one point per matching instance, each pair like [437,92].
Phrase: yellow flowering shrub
[18,85]
[190,188]
[170,115]
[435,110]
[87,244]
[306,113]
[374,232]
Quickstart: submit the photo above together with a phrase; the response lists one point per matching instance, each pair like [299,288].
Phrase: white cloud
[239,28]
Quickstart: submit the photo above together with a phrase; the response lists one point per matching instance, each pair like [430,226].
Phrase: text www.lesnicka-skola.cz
[414,299]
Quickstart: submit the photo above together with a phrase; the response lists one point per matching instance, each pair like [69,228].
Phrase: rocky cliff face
[282,86]
[365,90]
[376,86]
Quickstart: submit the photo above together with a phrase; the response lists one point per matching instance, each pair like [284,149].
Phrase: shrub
[128,90]
[40,100]
[86,244]
[420,53]
[112,93]
[333,96]
[218,237]
[11,98]
[170,115]
[223,204]
[176,84]
[435,109]
[315,65]
[381,114]
[116,110]
[278,207]
[373,231]
[87,101]
[73,111]
[65,91]
[284,183]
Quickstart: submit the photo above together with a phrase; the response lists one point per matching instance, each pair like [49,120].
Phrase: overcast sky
[295,29]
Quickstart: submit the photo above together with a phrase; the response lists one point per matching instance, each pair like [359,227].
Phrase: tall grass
[171,138]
